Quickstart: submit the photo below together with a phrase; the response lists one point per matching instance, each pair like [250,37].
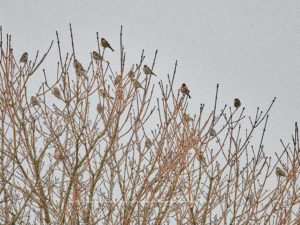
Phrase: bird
[184,89]
[24,58]
[201,157]
[104,94]
[279,172]
[97,56]
[56,92]
[79,70]
[118,79]
[130,74]
[34,101]
[187,117]
[57,154]
[148,71]
[148,142]
[105,44]
[212,132]
[237,103]
[137,84]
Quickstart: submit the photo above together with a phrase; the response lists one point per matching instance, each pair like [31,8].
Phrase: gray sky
[251,48]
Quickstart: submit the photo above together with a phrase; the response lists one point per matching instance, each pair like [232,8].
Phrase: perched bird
[119,93]
[201,157]
[237,103]
[187,117]
[24,58]
[130,74]
[99,108]
[97,56]
[56,93]
[212,132]
[57,154]
[184,89]
[137,84]
[118,79]
[279,172]
[105,44]
[148,143]
[34,101]
[79,70]
[148,71]
[104,94]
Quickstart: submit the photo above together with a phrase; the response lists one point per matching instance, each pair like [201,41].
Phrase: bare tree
[96,147]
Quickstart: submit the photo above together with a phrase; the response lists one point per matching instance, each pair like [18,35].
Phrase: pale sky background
[250,47]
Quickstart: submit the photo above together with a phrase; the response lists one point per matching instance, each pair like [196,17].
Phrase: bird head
[183,85]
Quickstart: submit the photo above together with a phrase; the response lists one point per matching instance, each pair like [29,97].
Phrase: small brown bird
[184,89]
[99,108]
[56,93]
[148,71]
[104,94]
[105,44]
[57,154]
[279,172]
[148,143]
[237,103]
[118,79]
[34,101]
[201,157]
[137,84]
[97,56]
[24,58]
[130,74]
[79,70]
[212,132]
[187,117]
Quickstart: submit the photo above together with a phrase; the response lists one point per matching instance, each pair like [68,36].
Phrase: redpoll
[118,79]
[57,154]
[148,71]
[185,90]
[187,117]
[279,172]
[104,94]
[79,70]
[97,56]
[212,132]
[56,92]
[105,44]
[237,103]
[148,143]
[137,84]
[130,74]
[201,157]
[34,101]
[24,58]
[99,108]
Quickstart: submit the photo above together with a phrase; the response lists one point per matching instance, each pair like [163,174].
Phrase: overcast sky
[251,48]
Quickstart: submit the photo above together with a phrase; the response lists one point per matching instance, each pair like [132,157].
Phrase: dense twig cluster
[87,150]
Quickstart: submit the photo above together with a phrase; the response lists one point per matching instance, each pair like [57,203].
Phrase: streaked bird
[148,143]
[118,79]
[57,154]
[148,71]
[56,93]
[130,74]
[34,101]
[187,117]
[137,84]
[184,89]
[97,56]
[104,94]
[279,172]
[201,157]
[24,58]
[79,70]
[237,103]
[105,44]
[99,108]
